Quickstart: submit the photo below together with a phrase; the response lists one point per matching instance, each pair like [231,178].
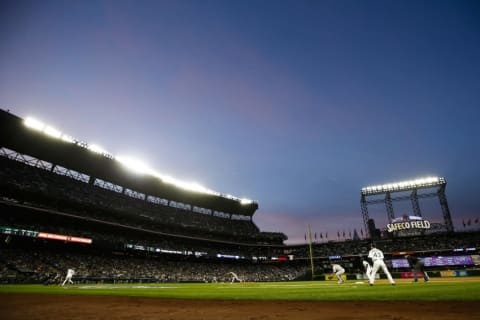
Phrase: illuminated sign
[228,256]
[408,223]
[436,261]
[448,261]
[43,235]
[168,251]
[18,232]
[61,237]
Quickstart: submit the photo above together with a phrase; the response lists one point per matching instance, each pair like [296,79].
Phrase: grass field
[441,289]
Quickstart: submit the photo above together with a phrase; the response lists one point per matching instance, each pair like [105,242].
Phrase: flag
[305,237]
[350,233]
[326,235]
[344,233]
[469,222]
[476,221]
[315,236]
[338,234]
[463,223]
[355,234]
[321,235]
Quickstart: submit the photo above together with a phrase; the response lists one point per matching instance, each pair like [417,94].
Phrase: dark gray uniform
[417,266]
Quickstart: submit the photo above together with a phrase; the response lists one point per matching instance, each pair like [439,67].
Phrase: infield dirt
[30,306]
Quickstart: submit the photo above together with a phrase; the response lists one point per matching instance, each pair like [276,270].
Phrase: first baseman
[377,257]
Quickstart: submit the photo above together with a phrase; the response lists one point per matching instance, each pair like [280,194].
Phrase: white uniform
[377,257]
[68,278]
[235,277]
[338,270]
[368,268]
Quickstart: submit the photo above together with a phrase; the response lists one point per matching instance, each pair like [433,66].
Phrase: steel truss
[413,197]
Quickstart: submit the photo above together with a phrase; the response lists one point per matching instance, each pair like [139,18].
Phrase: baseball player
[367,267]
[417,266]
[235,277]
[338,271]
[377,257]
[68,278]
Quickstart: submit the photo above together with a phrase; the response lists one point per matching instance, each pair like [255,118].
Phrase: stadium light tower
[412,186]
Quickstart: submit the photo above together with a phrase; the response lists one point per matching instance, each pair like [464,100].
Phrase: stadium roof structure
[50,145]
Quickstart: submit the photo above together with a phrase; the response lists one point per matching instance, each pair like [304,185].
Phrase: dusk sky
[295,104]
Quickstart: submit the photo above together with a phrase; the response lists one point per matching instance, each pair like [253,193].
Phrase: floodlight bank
[405,185]
[128,162]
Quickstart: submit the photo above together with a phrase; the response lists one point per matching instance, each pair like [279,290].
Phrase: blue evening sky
[296,104]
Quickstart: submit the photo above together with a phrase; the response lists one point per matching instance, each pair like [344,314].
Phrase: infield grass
[454,289]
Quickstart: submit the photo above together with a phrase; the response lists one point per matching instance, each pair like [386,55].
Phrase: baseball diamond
[446,298]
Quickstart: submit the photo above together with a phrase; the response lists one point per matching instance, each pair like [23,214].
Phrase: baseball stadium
[142,245]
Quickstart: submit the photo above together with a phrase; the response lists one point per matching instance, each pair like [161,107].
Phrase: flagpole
[310,246]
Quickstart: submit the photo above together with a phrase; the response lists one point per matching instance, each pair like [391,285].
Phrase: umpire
[417,266]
